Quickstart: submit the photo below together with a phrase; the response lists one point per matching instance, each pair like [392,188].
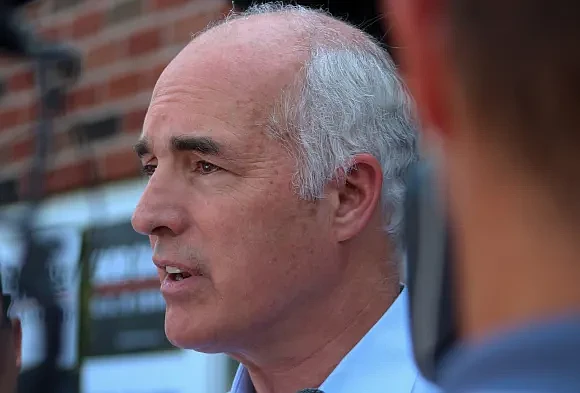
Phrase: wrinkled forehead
[205,88]
[229,85]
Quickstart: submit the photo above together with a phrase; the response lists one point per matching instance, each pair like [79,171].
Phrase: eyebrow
[141,147]
[202,145]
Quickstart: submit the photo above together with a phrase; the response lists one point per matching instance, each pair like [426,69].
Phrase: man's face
[220,204]
[10,346]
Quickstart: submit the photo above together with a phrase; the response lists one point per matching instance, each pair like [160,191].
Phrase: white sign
[169,372]
[64,274]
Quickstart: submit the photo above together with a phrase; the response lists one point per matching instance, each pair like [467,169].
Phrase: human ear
[358,195]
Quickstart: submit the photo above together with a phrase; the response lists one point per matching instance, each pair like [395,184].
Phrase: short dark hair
[519,63]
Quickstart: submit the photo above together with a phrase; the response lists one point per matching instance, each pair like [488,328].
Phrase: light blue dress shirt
[381,362]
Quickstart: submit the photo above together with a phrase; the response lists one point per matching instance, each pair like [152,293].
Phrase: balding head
[271,141]
[275,27]
[262,51]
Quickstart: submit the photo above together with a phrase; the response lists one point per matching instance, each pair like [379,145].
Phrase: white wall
[167,372]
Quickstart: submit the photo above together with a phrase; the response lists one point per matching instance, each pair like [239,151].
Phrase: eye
[205,168]
[148,170]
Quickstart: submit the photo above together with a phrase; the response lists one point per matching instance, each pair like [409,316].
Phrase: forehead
[202,105]
[224,85]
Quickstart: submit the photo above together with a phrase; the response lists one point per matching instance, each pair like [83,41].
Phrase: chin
[185,330]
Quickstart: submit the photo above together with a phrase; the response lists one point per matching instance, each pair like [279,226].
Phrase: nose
[160,212]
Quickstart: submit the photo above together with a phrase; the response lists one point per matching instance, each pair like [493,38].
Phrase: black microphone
[16,37]
[310,391]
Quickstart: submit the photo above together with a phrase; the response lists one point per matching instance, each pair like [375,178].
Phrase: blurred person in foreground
[498,88]
[10,346]
[276,144]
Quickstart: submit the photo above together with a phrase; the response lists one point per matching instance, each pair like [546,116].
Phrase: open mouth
[176,274]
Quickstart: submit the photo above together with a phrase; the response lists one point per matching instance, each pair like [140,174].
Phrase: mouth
[180,281]
[176,272]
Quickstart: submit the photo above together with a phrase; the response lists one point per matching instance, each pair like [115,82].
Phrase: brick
[184,28]
[121,164]
[124,11]
[124,85]
[153,75]
[144,41]
[57,32]
[96,130]
[87,24]
[164,4]
[10,118]
[158,70]
[33,10]
[133,120]
[81,98]
[21,80]
[74,175]
[5,158]
[223,10]
[103,55]
[7,61]
[87,171]
[61,141]
[62,4]
[52,33]
[13,117]
[24,148]
[30,112]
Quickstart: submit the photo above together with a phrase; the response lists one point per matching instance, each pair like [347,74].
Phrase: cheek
[260,238]
[274,250]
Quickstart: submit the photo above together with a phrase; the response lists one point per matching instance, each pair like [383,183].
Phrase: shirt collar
[242,382]
[382,361]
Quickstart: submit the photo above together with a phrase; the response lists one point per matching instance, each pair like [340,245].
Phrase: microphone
[16,37]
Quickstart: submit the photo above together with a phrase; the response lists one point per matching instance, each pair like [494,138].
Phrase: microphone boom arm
[56,67]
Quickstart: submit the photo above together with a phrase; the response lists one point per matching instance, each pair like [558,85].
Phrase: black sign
[124,310]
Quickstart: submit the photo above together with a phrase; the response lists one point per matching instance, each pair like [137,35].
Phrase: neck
[301,351]
[518,256]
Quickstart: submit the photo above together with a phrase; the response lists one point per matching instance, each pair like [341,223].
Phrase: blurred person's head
[10,346]
[497,84]
[276,145]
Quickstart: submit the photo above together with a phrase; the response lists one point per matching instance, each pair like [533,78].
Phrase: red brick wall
[125,45]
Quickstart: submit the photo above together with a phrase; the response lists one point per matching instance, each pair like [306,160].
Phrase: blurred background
[113,335]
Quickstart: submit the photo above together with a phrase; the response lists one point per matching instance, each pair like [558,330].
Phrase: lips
[176,274]
[177,278]
[176,269]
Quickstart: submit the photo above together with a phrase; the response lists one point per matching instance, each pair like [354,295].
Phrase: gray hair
[348,100]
